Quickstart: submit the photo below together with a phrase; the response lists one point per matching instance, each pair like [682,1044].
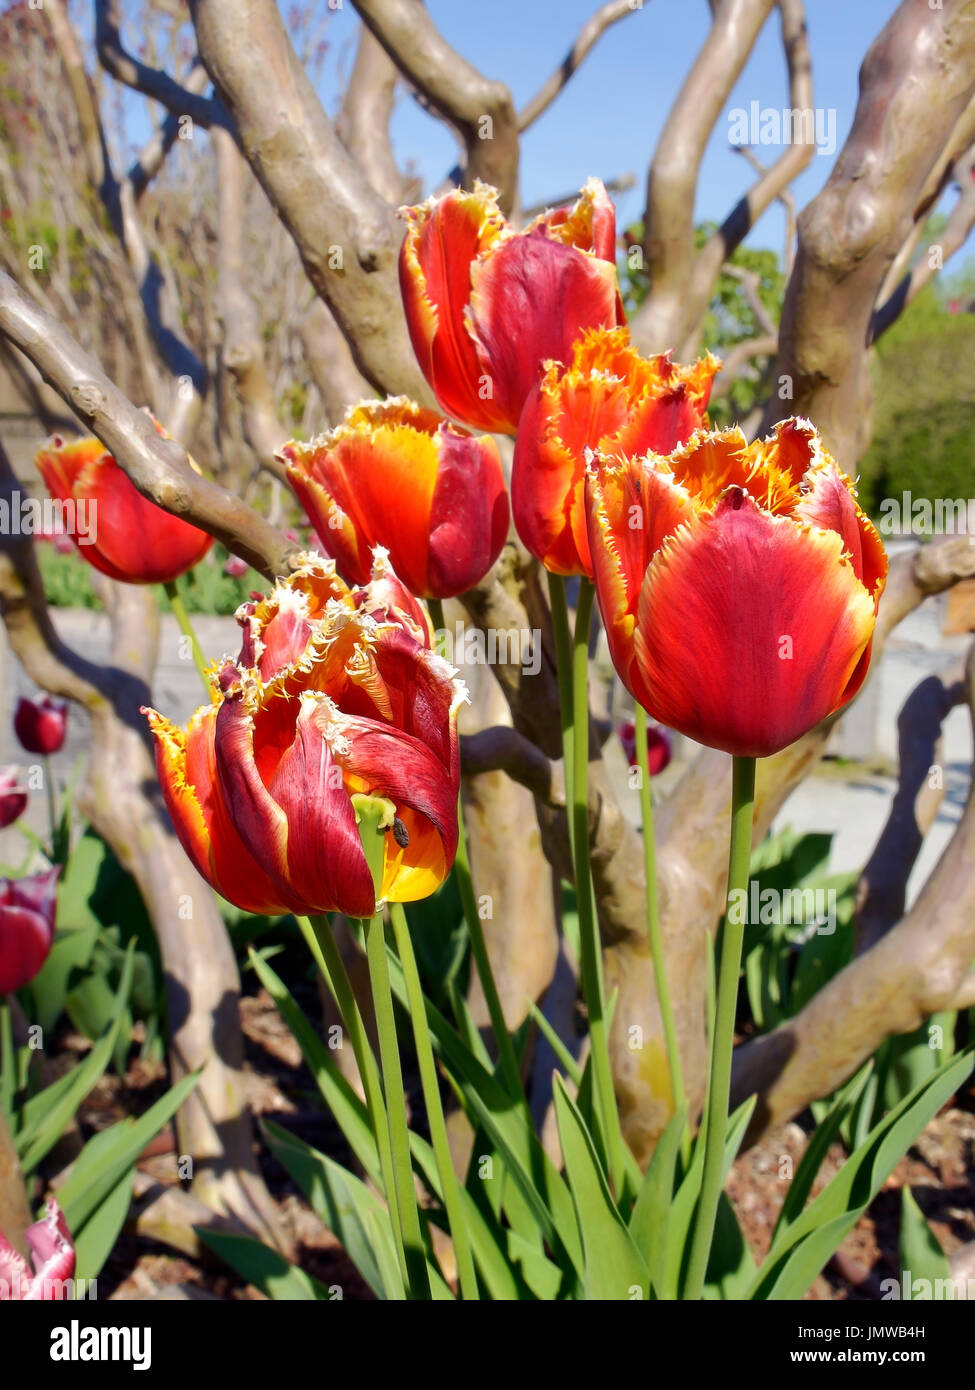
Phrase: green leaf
[816,1150]
[614,1266]
[263,1267]
[341,1099]
[107,1156]
[650,1217]
[800,1251]
[97,1237]
[920,1250]
[731,1267]
[342,1203]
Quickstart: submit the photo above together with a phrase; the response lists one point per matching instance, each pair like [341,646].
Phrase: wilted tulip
[126,537]
[13,800]
[608,398]
[396,475]
[335,693]
[486,305]
[52,1256]
[27,907]
[738,584]
[41,724]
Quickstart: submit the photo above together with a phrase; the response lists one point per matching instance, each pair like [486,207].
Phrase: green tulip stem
[482,961]
[52,806]
[186,628]
[590,945]
[8,1064]
[467,1277]
[653,921]
[563,668]
[375,818]
[719,1087]
[327,956]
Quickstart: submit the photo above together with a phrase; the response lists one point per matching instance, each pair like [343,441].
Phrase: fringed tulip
[738,584]
[52,1256]
[27,909]
[335,693]
[486,305]
[609,399]
[125,535]
[41,725]
[13,799]
[396,475]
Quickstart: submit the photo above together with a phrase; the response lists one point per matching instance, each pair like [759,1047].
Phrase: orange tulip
[609,399]
[335,693]
[738,584]
[396,475]
[129,538]
[486,305]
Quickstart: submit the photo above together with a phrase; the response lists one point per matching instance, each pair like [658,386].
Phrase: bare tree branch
[347,236]
[882,889]
[589,35]
[915,970]
[786,198]
[737,362]
[116,60]
[481,110]
[242,351]
[952,239]
[329,357]
[915,83]
[364,121]
[158,467]
[665,317]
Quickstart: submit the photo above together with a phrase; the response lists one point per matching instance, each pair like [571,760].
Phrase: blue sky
[609,117]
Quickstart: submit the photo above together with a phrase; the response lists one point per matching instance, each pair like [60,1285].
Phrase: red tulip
[41,724]
[611,399]
[52,1256]
[738,584]
[13,801]
[335,693]
[235,567]
[128,537]
[658,747]
[486,305]
[27,908]
[396,475]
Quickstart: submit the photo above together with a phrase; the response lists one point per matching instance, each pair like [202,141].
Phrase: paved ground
[855,807]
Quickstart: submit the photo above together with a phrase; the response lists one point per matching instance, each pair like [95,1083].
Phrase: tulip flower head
[608,399]
[27,910]
[398,476]
[41,724]
[13,799]
[129,537]
[335,694]
[658,747]
[485,305]
[52,1256]
[738,584]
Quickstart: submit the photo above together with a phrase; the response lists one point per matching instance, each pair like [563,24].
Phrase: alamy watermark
[924,516]
[770,125]
[811,908]
[493,646]
[23,515]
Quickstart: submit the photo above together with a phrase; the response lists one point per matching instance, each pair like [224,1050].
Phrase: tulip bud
[13,801]
[41,724]
[27,909]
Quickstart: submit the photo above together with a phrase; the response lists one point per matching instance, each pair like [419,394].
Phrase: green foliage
[730,318]
[924,400]
[205,589]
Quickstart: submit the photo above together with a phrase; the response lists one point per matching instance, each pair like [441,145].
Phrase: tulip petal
[750,628]
[186,765]
[443,239]
[326,863]
[589,225]
[468,514]
[632,507]
[531,297]
[831,505]
[25,941]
